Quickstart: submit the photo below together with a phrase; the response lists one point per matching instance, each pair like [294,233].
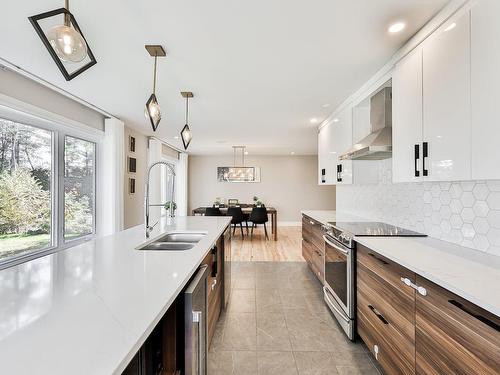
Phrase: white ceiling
[259,69]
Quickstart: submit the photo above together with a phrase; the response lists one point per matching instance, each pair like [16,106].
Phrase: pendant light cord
[154,76]
[187,108]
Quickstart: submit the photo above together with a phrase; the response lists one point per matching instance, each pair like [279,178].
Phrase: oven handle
[332,305]
[345,252]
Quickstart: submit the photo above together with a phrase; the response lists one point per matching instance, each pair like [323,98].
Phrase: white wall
[134,203]
[288,183]
[466,213]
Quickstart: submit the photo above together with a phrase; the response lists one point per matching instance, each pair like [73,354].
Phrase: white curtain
[182,184]
[112,177]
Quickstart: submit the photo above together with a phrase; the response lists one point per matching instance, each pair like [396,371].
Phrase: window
[25,188]
[79,185]
[30,157]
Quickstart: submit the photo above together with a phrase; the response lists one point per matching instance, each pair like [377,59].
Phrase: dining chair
[259,216]
[213,211]
[238,217]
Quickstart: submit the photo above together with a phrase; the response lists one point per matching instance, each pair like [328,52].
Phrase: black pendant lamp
[64,40]
[153,111]
[186,132]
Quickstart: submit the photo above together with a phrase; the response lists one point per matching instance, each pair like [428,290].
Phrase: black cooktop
[373,228]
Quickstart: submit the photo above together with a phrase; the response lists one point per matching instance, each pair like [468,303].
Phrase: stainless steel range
[339,289]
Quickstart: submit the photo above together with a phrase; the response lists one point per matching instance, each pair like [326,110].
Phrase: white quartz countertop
[88,309]
[469,273]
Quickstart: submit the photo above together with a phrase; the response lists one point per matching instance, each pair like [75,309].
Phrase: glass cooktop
[373,228]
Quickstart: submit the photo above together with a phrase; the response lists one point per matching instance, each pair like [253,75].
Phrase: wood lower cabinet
[313,246]
[413,326]
[453,336]
[385,311]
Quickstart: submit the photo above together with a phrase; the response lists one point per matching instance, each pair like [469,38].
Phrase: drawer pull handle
[379,315]
[311,222]
[420,289]
[481,318]
[380,260]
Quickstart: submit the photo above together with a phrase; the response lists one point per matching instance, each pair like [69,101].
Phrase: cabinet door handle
[420,289]
[479,317]
[379,315]
[339,172]
[425,153]
[417,156]
[380,260]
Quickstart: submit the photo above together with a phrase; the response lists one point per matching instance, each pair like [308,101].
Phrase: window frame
[60,128]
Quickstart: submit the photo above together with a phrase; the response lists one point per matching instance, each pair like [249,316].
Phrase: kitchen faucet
[146,203]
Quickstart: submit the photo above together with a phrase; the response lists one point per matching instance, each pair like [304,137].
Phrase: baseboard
[289,223]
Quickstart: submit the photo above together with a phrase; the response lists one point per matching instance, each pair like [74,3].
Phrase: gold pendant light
[153,111]
[186,132]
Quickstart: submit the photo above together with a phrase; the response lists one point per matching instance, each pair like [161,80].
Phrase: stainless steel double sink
[174,241]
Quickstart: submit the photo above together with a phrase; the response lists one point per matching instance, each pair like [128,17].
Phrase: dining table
[247,208]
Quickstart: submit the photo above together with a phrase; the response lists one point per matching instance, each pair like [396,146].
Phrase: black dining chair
[213,211]
[259,216]
[238,217]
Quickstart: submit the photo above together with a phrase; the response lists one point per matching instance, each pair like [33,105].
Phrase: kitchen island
[88,309]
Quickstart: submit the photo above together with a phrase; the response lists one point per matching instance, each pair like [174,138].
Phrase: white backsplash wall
[466,213]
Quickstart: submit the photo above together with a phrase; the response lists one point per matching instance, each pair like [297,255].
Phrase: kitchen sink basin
[176,241]
[165,246]
[191,237]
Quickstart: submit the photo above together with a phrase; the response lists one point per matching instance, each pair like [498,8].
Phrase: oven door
[339,268]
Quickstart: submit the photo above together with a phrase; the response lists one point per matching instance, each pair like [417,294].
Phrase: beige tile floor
[277,323]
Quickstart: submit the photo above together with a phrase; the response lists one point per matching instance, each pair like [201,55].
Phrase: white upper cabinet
[446,102]
[342,143]
[334,138]
[485,89]
[326,158]
[407,126]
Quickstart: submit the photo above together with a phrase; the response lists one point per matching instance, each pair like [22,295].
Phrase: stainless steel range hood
[378,144]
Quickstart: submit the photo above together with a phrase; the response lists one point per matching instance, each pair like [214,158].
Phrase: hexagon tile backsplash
[466,213]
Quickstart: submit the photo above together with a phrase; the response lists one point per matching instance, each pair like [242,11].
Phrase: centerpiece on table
[257,202]
[218,202]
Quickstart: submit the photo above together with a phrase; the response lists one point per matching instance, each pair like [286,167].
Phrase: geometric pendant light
[186,132]
[153,111]
[64,40]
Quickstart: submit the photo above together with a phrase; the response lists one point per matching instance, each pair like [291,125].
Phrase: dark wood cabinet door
[453,336]
[385,312]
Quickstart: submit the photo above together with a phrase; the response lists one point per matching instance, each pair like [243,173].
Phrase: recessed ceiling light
[314,120]
[335,120]
[176,137]
[397,27]
[292,153]
[451,27]
[326,105]
[246,152]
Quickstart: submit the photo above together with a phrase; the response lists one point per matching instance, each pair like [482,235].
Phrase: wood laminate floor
[288,248]
[277,323]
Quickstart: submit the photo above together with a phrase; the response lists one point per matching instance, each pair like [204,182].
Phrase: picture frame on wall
[132,165]
[131,143]
[131,185]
